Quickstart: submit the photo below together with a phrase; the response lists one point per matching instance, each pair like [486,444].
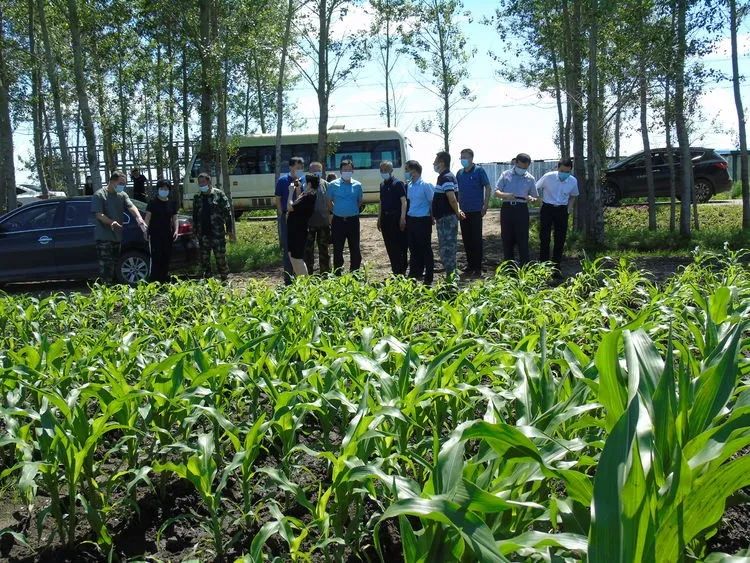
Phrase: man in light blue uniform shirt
[419,224]
[517,188]
[559,190]
[345,200]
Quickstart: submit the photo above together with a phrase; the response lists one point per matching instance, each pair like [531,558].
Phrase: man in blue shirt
[419,224]
[447,213]
[474,191]
[283,191]
[345,199]
[517,188]
[392,218]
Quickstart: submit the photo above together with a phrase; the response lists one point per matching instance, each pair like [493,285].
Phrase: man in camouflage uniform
[319,226]
[212,222]
[109,205]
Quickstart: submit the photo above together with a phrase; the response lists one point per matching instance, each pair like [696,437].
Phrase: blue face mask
[164,194]
[563,176]
[407,177]
[204,189]
[519,171]
[119,188]
[465,163]
[385,175]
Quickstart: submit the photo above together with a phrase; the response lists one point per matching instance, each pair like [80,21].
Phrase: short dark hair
[346,162]
[413,165]
[312,180]
[566,162]
[116,175]
[331,177]
[469,152]
[296,160]
[444,158]
[523,157]
[163,184]
[135,170]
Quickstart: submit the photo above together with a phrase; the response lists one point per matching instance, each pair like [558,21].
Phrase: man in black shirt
[447,213]
[392,218]
[140,183]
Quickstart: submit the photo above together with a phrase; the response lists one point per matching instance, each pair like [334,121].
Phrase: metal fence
[538,168]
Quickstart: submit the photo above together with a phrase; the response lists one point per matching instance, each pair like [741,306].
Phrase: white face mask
[347,175]
[204,189]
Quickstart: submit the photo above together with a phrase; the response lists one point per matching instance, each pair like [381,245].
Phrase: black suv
[54,240]
[627,178]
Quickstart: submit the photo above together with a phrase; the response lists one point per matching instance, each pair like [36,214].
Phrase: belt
[555,205]
[513,203]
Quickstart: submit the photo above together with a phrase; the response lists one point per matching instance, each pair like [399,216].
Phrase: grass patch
[257,247]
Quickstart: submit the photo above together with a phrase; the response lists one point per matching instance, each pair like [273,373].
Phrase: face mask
[318,174]
[347,175]
[465,163]
[385,175]
[519,171]
[299,173]
[164,194]
[119,188]
[436,168]
[563,176]
[204,189]
[407,177]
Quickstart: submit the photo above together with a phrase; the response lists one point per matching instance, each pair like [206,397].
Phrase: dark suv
[627,178]
[54,240]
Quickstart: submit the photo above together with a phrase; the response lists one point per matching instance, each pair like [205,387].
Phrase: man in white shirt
[558,190]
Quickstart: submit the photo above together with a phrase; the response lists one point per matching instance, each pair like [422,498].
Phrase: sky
[505,118]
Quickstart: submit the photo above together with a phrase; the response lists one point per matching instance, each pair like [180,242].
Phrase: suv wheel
[133,267]
[703,190]
[610,195]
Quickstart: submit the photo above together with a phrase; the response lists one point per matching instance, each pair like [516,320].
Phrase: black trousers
[552,218]
[421,259]
[161,253]
[471,234]
[345,230]
[514,230]
[396,242]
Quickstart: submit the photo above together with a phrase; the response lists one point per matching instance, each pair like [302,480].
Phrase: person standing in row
[517,188]
[301,208]
[161,218]
[296,171]
[140,185]
[419,224]
[447,213]
[319,225]
[108,205]
[474,191]
[212,222]
[345,196]
[558,190]
[392,218]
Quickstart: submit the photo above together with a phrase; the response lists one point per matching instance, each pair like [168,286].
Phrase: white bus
[252,164]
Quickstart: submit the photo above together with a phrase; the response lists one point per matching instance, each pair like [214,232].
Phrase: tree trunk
[247,103]
[445,86]
[734,24]
[670,157]
[54,83]
[206,49]
[185,111]
[387,68]
[686,165]
[36,116]
[280,87]
[643,94]
[159,122]
[594,214]
[323,89]
[564,149]
[7,166]
[79,65]
[261,104]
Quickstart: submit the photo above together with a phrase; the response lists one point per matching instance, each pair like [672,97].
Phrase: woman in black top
[300,211]
[161,218]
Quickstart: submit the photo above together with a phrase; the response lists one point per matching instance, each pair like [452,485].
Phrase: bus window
[366,155]
[267,157]
[202,164]
[246,161]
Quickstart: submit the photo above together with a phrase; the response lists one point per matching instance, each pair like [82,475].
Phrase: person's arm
[501,183]
[573,196]
[533,193]
[453,201]
[175,226]
[135,213]
[147,218]
[487,187]
[226,208]
[404,205]
[195,212]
